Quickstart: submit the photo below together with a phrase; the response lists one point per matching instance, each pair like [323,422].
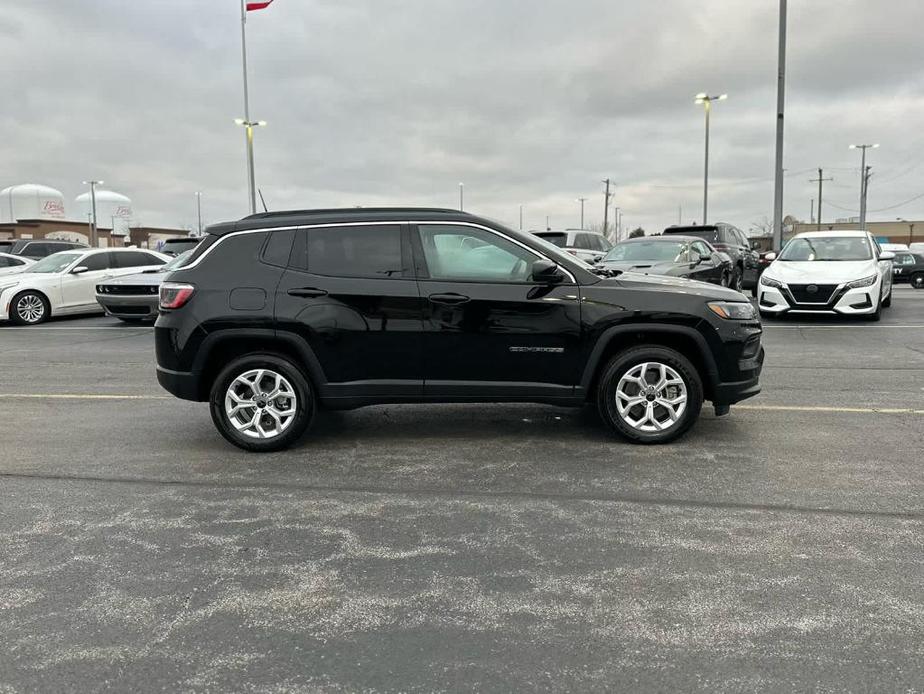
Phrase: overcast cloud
[397,101]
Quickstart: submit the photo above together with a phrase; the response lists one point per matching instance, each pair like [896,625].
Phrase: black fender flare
[593,362]
[309,360]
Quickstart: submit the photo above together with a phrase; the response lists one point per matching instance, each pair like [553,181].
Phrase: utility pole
[780,107]
[461,196]
[582,201]
[617,231]
[521,217]
[199,211]
[548,227]
[812,213]
[820,180]
[864,179]
[606,207]
[679,214]
[866,176]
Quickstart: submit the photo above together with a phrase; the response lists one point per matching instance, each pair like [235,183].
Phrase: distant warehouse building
[899,231]
[34,211]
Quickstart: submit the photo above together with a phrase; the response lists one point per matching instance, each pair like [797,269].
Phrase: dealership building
[34,211]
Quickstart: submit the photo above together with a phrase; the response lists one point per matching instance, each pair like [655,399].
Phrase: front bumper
[730,392]
[130,306]
[848,302]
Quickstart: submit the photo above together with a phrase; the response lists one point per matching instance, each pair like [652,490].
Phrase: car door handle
[307,292]
[449,299]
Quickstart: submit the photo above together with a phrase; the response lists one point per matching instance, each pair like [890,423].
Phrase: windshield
[56,262]
[661,251]
[556,238]
[827,248]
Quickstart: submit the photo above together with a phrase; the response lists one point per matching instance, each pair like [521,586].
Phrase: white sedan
[64,283]
[842,272]
[13,264]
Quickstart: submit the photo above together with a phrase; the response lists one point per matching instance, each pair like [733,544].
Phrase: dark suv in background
[36,249]
[732,241]
[279,314]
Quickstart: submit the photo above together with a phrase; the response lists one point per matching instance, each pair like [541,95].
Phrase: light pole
[521,217]
[199,211]
[777,242]
[582,201]
[706,101]
[910,229]
[617,216]
[251,186]
[863,180]
[94,234]
[461,196]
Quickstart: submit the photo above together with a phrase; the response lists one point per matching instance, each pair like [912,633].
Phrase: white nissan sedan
[64,283]
[841,272]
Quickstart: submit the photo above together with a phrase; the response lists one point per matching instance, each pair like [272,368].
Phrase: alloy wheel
[651,397]
[30,308]
[261,403]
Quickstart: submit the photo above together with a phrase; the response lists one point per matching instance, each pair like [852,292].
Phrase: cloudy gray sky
[397,101]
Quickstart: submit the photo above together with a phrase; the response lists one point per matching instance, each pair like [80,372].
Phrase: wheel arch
[222,346]
[42,293]
[686,340]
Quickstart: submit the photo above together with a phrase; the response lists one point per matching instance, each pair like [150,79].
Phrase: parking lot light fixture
[94,234]
[706,100]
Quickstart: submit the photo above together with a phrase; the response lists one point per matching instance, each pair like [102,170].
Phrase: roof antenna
[262,200]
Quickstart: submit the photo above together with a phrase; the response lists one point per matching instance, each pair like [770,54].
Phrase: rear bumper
[182,384]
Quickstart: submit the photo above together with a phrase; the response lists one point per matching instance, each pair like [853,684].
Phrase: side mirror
[771,256]
[547,272]
[79,270]
[887,255]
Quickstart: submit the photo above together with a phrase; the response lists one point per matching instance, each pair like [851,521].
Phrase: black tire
[917,280]
[303,391]
[888,300]
[20,316]
[724,281]
[875,317]
[737,279]
[625,361]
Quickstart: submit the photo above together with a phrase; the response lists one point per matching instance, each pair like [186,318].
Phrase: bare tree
[636,232]
[762,227]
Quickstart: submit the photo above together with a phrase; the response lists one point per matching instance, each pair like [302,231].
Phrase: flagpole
[248,125]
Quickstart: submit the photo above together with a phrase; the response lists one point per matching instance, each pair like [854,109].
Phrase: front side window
[372,251]
[475,255]
[702,248]
[56,262]
[904,259]
[829,248]
[96,261]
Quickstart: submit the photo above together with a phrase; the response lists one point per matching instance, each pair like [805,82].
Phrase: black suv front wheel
[262,402]
[650,394]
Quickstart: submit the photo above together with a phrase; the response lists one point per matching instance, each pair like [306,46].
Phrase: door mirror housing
[887,255]
[547,272]
[771,256]
[79,270]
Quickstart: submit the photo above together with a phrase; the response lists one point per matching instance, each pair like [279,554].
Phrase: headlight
[733,310]
[8,285]
[770,282]
[865,282]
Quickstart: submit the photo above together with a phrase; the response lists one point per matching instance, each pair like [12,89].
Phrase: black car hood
[636,280]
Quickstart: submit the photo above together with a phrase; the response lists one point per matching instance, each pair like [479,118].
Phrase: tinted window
[702,248]
[350,251]
[97,261]
[584,242]
[904,259]
[467,253]
[709,234]
[134,259]
[5,262]
[554,237]
[278,247]
[660,251]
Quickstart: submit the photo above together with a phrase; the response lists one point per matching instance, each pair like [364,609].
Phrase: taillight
[175,294]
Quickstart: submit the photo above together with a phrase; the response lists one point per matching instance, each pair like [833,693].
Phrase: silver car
[134,298]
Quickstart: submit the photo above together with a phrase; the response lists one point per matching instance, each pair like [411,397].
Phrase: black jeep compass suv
[281,313]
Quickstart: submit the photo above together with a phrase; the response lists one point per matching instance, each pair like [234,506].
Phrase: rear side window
[555,238]
[350,251]
[278,247]
[97,261]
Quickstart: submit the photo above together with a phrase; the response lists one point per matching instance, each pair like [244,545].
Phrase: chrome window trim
[208,250]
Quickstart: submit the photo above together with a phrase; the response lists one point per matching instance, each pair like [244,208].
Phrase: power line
[881,209]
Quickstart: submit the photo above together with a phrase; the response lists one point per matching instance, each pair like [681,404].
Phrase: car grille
[128,289]
[131,310]
[819,293]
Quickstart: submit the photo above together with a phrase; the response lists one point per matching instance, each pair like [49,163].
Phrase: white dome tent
[30,201]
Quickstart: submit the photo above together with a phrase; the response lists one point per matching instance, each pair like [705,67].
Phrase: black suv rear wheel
[262,402]
[650,394]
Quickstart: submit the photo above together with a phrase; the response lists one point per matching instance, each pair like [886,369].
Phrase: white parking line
[76,327]
[79,396]
[849,326]
[824,408]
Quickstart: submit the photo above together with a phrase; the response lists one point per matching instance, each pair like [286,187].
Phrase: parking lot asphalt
[464,546]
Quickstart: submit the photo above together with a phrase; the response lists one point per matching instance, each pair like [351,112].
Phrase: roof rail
[355,210]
